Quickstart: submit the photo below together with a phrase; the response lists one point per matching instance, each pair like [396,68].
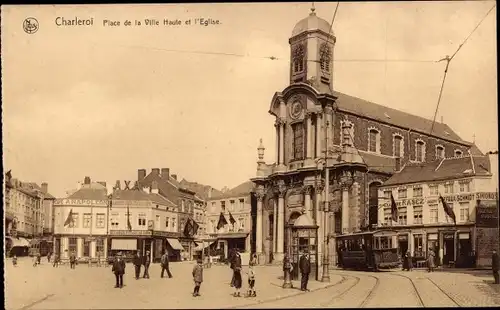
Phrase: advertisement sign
[487,214]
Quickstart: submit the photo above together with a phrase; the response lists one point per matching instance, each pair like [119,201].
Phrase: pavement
[46,287]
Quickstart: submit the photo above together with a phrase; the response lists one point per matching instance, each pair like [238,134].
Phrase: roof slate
[449,168]
[90,193]
[402,119]
[243,189]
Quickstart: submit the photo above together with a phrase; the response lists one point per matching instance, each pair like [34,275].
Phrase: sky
[105,101]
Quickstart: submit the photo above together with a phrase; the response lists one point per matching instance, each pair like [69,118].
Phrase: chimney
[155,171]
[210,192]
[141,174]
[174,176]
[398,164]
[118,185]
[45,188]
[86,180]
[165,173]
[442,121]
[154,187]
[102,183]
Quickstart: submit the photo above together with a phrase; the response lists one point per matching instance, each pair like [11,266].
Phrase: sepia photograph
[250,155]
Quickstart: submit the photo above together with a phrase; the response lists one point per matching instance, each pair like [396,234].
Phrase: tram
[372,250]
[40,246]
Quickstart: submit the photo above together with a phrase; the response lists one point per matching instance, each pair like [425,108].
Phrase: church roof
[395,117]
[311,22]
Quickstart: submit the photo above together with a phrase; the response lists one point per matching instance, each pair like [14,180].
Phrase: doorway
[402,244]
[448,249]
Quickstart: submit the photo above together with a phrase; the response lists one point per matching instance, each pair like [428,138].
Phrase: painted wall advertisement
[487,232]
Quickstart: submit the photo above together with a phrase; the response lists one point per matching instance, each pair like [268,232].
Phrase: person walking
[251,279]
[55,261]
[495,266]
[305,270]
[431,256]
[146,263]
[231,265]
[119,270]
[165,265]
[35,261]
[49,255]
[72,260]
[14,260]
[197,277]
[137,264]
[237,273]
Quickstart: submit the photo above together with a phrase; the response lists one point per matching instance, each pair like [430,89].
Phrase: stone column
[319,221]
[282,142]
[345,209]
[318,135]
[276,125]
[309,151]
[307,199]
[275,226]
[281,223]
[329,119]
[259,241]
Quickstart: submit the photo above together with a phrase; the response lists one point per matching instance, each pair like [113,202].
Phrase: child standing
[251,281]
[14,260]
[197,277]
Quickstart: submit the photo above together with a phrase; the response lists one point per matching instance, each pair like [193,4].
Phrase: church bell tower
[311,46]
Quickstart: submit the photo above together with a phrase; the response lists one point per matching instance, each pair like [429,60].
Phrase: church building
[362,144]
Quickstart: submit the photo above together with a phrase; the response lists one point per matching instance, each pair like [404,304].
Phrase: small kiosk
[304,240]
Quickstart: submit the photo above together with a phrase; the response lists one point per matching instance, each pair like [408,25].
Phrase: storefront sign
[131,203]
[432,236]
[166,234]
[403,237]
[80,202]
[459,197]
[130,233]
[406,202]
[487,214]
[463,236]
[486,196]
[449,236]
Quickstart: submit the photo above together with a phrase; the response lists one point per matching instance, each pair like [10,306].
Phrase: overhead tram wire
[448,59]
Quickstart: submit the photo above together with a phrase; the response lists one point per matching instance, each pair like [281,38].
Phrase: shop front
[156,242]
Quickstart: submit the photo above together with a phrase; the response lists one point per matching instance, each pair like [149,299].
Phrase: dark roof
[474,150]
[132,194]
[449,168]
[93,191]
[45,195]
[201,190]
[379,163]
[398,118]
[238,191]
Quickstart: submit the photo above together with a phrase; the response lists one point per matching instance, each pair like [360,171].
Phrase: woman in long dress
[430,260]
[237,274]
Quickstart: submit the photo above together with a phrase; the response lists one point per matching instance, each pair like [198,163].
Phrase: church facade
[361,144]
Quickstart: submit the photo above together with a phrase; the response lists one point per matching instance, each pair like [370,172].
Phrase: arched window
[398,146]
[298,59]
[373,140]
[420,151]
[298,140]
[439,152]
[325,57]
[458,153]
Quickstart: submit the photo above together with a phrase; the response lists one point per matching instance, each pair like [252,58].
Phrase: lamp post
[326,276]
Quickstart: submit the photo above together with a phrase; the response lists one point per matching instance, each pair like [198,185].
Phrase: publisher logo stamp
[30,25]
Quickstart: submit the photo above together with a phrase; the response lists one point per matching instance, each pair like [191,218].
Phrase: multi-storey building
[81,222]
[235,205]
[26,213]
[153,222]
[318,129]
[170,188]
[422,223]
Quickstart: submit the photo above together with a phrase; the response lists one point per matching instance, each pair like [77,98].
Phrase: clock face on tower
[296,109]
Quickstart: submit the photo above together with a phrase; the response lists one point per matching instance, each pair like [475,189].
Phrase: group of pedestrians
[138,261]
[237,280]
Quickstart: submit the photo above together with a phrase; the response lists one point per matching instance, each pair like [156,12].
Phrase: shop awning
[124,244]
[200,245]
[232,235]
[19,242]
[175,244]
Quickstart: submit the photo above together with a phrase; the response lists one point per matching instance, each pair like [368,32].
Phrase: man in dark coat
[165,265]
[119,270]
[495,266]
[72,260]
[146,262]
[231,257]
[305,270]
[137,264]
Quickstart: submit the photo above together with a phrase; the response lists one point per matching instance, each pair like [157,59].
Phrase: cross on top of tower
[313,9]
